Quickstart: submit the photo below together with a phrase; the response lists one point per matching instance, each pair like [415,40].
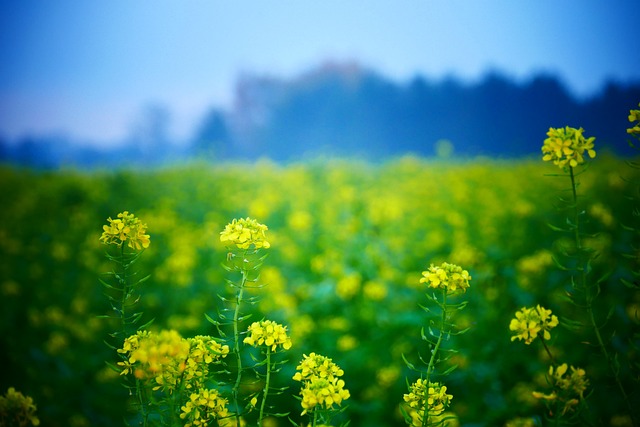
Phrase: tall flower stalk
[245,238]
[128,235]
[566,148]
[427,399]
[322,388]
[269,337]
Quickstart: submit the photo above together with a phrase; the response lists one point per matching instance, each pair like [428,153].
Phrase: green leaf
[210,320]
[108,286]
[146,325]
[409,364]
[571,324]
[629,284]
[450,369]
[555,228]
[557,263]
[141,281]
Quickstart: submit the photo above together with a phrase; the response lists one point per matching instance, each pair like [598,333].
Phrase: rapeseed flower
[449,277]
[567,389]
[268,333]
[203,350]
[530,322]
[16,409]
[245,232]
[316,365]
[162,357]
[203,407]
[634,117]
[168,359]
[321,383]
[323,393]
[566,146]
[431,397]
[125,228]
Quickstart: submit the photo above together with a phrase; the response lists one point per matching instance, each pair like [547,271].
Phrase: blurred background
[372,138]
[154,82]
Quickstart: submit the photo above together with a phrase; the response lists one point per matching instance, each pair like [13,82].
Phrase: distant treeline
[344,110]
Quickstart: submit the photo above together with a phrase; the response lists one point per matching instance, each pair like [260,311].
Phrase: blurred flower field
[348,244]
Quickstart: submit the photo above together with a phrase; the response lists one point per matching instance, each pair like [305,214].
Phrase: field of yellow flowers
[348,244]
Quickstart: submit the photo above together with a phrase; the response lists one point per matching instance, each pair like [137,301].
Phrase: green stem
[541,336]
[123,281]
[589,298]
[315,418]
[265,392]
[125,291]
[236,341]
[432,360]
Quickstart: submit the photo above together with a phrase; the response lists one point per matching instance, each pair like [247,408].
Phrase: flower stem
[546,348]
[265,392]
[236,341]
[432,360]
[589,298]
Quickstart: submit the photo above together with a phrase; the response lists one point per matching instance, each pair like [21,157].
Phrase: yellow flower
[321,383]
[567,389]
[634,116]
[170,360]
[431,396]
[245,232]
[529,322]
[204,407]
[17,408]
[566,146]
[126,228]
[316,365]
[203,350]
[268,333]
[322,392]
[447,276]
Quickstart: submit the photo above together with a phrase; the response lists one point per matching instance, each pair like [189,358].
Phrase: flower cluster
[203,350]
[126,228]
[531,321]
[566,146]
[431,398]
[169,359]
[268,333]
[450,277]
[634,117]
[321,383]
[204,407]
[16,409]
[245,232]
[159,356]
[567,389]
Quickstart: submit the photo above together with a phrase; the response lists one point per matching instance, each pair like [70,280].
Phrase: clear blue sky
[86,69]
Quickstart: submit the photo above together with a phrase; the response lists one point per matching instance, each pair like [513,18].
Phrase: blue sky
[86,69]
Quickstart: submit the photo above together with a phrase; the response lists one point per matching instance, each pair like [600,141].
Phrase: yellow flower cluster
[16,409]
[245,232]
[567,146]
[169,359]
[268,333]
[634,117]
[204,407]
[432,397]
[529,322]
[447,276]
[321,383]
[568,389]
[203,350]
[126,228]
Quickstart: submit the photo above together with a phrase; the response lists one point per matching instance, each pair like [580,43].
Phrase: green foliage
[348,243]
